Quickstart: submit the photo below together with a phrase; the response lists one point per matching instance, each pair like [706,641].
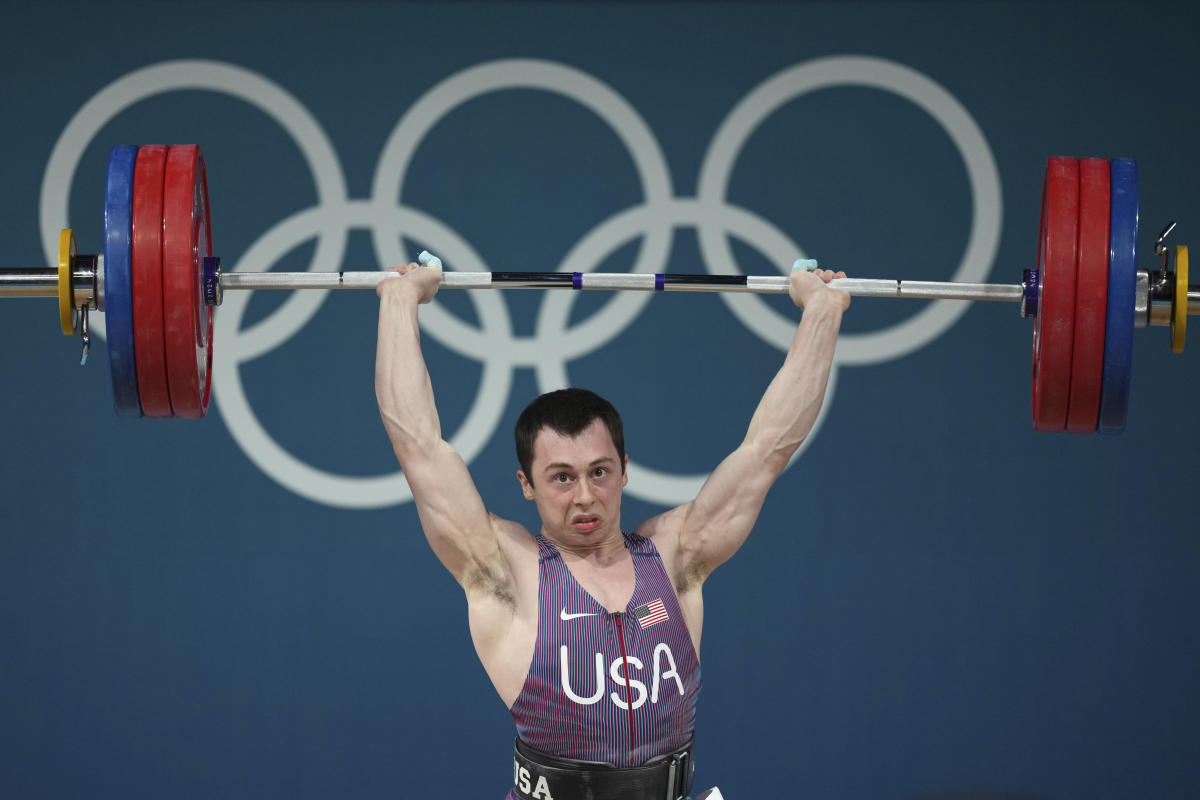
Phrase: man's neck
[601,553]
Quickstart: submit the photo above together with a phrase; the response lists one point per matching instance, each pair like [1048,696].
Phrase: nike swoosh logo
[565,617]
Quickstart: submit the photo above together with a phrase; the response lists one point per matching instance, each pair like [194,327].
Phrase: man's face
[576,485]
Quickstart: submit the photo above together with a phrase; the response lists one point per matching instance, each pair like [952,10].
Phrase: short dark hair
[567,412]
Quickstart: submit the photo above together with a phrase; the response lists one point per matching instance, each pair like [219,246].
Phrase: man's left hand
[809,287]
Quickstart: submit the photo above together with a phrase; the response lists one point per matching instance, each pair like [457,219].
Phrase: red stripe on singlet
[628,690]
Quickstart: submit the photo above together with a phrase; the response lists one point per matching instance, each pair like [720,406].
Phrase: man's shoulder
[514,532]
[662,525]
[662,531]
[521,548]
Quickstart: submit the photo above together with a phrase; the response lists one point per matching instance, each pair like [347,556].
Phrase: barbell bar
[43,282]
[159,286]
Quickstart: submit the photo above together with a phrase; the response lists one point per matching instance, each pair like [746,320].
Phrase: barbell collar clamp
[212,280]
[84,334]
[1160,312]
[1141,300]
[1030,291]
[84,273]
[1160,249]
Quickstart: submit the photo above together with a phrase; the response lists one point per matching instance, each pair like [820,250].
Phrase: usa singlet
[618,688]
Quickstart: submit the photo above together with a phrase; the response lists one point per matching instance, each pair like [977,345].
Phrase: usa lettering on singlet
[577,701]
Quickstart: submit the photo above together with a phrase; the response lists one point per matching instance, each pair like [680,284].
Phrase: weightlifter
[590,634]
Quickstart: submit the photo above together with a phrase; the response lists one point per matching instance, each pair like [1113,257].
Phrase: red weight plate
[1091,295]
[149,348]
[1053,336]
[187,320]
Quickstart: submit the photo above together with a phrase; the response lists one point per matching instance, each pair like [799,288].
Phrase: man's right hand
[422,280]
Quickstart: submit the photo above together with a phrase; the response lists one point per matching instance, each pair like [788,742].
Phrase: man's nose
[583,493]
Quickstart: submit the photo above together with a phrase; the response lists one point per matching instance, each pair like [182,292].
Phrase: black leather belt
[539,776]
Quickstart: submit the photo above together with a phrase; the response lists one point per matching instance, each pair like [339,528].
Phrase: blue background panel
[936,601]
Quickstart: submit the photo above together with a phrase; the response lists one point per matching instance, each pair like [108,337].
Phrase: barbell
[159,286]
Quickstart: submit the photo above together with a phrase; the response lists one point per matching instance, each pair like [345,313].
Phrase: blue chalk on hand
[428,259]
[805,263]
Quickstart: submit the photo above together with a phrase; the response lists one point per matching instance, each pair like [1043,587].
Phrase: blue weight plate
[118,279]
[1122,284]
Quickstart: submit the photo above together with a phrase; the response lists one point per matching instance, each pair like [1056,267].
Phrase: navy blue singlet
[617,688]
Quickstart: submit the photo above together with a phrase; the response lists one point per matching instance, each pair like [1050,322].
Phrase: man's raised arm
[713,526]
[455,521]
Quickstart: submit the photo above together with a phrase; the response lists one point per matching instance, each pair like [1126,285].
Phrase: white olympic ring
[553,343]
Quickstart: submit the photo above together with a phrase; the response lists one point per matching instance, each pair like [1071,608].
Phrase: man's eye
[599,472]
[562,477]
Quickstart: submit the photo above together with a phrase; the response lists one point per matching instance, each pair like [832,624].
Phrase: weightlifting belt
[668,777]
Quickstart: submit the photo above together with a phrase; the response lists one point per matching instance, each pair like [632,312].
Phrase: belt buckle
[675,777]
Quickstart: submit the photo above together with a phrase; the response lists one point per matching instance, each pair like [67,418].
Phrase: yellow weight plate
[1180,309]
[66,297]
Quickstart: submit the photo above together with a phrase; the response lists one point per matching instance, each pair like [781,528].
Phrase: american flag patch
[651,613]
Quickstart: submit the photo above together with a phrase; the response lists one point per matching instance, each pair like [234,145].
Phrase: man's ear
[526,486]
[625,471]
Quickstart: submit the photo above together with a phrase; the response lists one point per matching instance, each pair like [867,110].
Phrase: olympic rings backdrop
[936,602]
